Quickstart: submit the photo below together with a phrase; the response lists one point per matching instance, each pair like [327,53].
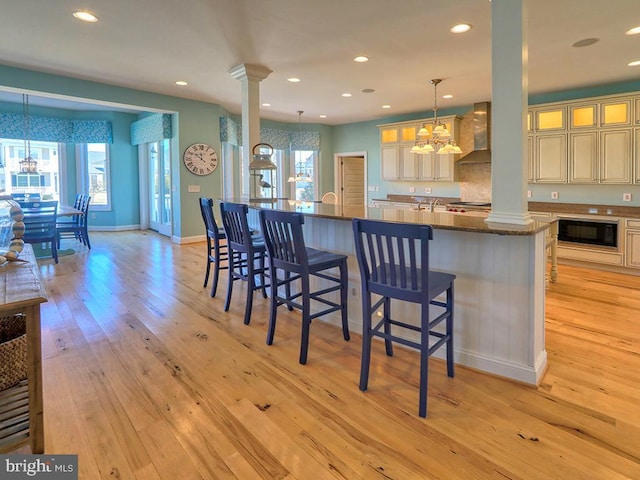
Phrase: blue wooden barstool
[244,250]
[282,232]
[216,251]
[394,263]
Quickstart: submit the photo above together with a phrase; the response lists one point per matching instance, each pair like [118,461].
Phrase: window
[94,177]
[304,170]
[45,181]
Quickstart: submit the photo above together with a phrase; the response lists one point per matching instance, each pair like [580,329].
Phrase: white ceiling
[149,44]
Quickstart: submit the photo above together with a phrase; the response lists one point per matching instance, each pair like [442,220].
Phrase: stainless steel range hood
[481,152]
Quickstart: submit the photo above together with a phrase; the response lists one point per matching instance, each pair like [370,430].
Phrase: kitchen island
[499,290]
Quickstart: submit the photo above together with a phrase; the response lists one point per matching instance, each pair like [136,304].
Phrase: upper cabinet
[585,141]
[398,163]
[549,119]
[583,116]
[615,113]
[389,135]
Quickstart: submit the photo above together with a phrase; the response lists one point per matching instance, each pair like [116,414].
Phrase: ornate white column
[250,77]
[509,51]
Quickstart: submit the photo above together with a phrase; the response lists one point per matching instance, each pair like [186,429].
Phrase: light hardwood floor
[146,377]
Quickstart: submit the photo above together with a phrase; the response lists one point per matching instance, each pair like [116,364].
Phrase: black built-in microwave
[603,233]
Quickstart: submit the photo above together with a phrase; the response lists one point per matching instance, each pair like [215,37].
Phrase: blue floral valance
[153,128]
[278,139]
[231,132]
[49,129]
[305,141]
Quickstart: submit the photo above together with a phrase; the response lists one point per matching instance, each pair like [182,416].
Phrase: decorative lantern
[262,175]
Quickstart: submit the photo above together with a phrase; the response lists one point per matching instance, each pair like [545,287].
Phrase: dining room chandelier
[435,137]
[301,175]
[27,164]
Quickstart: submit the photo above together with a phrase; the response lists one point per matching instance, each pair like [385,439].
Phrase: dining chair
[217,251]
[330,198]
[78,226]
[288,254]
[393,260]
[40,223]
[244,250]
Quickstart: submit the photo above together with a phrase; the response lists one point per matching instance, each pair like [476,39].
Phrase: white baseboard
[117,228]
[185,240]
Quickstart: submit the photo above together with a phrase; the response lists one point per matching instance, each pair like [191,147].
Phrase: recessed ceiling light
[182,83]
[386,106]
[323,116]
[368,90]
[85,16]
[266,104]
[461,28]
[293,79]
[361,59]
[633,31]
[346,94]
[585,42]
[634,64]
[447,96]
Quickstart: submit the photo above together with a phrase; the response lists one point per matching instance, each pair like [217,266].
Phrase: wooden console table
[21,406]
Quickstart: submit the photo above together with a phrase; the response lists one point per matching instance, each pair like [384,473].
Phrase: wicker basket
[13,350]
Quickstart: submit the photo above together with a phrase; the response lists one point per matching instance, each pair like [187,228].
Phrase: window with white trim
[94,173]
[304,168]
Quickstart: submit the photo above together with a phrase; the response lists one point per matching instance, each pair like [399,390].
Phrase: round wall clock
[200,159]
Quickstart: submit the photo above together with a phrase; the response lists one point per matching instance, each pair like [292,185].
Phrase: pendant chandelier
[435,137]
[300,175]
[27,164]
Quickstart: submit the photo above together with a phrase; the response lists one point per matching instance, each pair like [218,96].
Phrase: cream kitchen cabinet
[547,119]
[399,164]
[410,170]
[583,157]
[583,116]
[600,156]
[550,158]
[615,113]
[632,245]
[437,168]
[390,162]
[599,146]
[636,134]
[615,156]
[389,135]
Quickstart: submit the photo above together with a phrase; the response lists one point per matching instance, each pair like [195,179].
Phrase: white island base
[499,290]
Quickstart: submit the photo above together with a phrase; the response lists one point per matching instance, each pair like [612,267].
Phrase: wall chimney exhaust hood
[481,152]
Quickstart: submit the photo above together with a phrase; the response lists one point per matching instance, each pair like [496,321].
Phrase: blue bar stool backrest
[393,258]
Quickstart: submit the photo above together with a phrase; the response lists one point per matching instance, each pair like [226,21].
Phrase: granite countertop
[548,207]
[438,220]
[585,209]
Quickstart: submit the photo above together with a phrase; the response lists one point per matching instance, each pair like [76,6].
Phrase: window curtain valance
[49,129]
[153,128]
[305,141]
[231,132]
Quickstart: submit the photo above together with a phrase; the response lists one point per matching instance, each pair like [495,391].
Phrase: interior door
[352,181]
[159,156]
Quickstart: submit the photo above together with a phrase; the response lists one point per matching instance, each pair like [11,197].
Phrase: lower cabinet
[632,245]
